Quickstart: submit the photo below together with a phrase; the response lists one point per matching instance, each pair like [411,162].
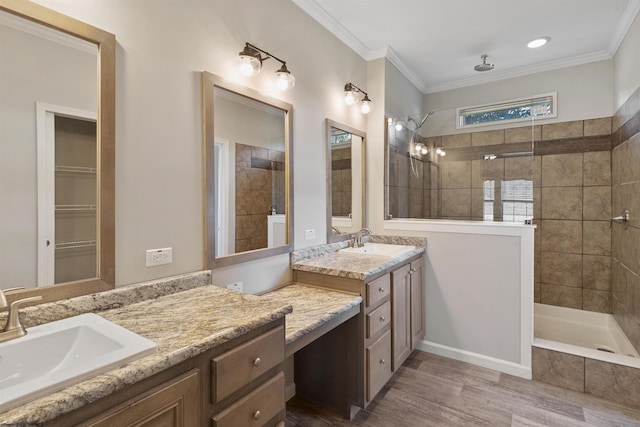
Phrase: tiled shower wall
[571,173]
[341,181]
[259,188]
[626,242]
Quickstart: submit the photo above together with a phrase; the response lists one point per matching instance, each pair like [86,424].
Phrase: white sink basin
[58,354]
[382,249]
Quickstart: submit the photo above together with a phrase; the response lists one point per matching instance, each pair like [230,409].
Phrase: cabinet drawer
[256,408]
[378,319]
[236,368]
[378,365]
[378,290]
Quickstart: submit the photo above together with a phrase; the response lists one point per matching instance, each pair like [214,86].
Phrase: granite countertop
[327,259]
[312,307]
[183,325]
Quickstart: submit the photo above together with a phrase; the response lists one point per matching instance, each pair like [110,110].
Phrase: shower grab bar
[622,219]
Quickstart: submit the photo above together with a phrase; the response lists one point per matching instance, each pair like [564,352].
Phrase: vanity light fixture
[539,42]
[250,63]
[440,151]
[421,148]
[351,97]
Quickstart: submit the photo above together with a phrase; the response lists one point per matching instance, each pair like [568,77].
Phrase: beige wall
[163,46]
[626,62]
[574,102]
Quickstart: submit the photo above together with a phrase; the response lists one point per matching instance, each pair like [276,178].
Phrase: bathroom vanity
[345,369]
[221,354]
[219,362]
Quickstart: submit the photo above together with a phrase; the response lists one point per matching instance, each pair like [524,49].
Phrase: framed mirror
[247,172]
[57,154]
[346,192]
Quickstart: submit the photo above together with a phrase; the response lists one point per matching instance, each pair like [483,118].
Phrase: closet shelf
[74,208]
[75,169]
[76,244]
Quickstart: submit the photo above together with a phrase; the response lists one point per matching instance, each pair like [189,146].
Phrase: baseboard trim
[505,366]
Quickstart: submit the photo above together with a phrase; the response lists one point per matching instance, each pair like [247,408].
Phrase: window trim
[501,104]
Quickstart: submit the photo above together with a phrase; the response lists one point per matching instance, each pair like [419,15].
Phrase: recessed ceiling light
[540,41]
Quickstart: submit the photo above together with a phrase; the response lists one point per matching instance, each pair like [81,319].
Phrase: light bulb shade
[249,62]
[284,78]
[399,125]
[349,97]
[365,106]
[424,150]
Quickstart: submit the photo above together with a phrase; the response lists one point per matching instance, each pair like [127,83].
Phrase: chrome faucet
[357,238]
[335,231]
[13,329]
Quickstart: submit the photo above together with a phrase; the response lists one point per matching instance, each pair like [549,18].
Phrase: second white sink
[58,354]
[382,249]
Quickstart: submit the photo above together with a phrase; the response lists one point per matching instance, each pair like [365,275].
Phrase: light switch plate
[310,234]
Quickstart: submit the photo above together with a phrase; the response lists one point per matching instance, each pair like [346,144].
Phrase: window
[544,106]
[516,200]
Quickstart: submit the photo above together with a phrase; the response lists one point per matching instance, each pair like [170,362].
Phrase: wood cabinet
[388,328]
[174,403]
[401,283]
[408,310]
[239,383]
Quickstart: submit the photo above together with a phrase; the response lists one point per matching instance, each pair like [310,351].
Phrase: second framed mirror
[346,193]
[247,147]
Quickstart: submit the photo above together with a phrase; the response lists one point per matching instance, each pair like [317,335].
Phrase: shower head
[424,119]
[484,66]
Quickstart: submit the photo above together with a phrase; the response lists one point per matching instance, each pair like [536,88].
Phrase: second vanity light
[351,97]
[250,64]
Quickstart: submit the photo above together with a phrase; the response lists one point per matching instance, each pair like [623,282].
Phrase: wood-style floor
[430,390]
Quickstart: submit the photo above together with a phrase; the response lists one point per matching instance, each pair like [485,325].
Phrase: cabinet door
[417,302]
[401,315]
[174,403]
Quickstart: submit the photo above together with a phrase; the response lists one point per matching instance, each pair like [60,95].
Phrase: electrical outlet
[236,286]
[310,234]
[159,256]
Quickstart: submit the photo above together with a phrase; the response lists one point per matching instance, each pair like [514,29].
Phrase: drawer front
[256,408]
[378,319]
[378,290]
[236,368]
[378,365]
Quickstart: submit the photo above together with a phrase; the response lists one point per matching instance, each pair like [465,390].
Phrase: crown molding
[393,58]
[626,20]
[313,9]
[56,36]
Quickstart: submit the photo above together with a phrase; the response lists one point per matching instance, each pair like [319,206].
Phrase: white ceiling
[436,43]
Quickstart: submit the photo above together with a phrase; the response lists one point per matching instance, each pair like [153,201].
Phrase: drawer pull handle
[381,289]
[382,319]
[257,362]
[382,361]
[256,415]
